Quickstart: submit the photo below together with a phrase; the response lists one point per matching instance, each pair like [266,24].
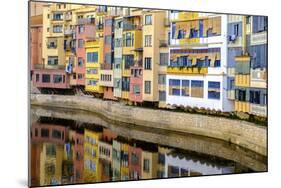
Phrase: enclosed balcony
[82,21]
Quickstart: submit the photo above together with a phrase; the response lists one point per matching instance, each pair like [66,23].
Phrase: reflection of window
[134,158]
[174,87]
[56,134]
[197,88]
[80,43]
[185,88]
[146,165]
[147,63]
[51,150]
[45,133]
[214,90]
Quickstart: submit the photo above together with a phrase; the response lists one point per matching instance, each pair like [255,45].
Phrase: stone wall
[245,134]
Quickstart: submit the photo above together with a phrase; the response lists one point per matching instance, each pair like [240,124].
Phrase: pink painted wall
[137,166]
[136,81]
[108,93]
[51,84]
[78,163]
[35,46]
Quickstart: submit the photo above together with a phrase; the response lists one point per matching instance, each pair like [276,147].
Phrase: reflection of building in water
[35,163]
[105,158]
[124,161]
[91,156]
[149,164]
[162,152]
[51,159]
[135,162]
[177,166]
[116,160]
[77,139]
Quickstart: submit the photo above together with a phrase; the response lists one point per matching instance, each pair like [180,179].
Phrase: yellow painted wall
[242,106]
[242,80]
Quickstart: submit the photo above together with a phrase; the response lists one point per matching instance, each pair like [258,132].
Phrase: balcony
[68,31]
[43,66]
[187,70]
[163,43]
[241,106]
[242,80]
[128,26]
[259,38]
[260,110]
[83,21]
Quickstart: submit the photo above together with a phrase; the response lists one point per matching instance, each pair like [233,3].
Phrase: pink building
[135,162]
[49,133]
[136,82]
[85,30]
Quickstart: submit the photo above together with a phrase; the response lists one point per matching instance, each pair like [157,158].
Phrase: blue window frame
[174,87]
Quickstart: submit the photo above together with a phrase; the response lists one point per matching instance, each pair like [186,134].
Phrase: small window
[147,85]
[46,78]
[37,77]
[148,20]
[147,40]
[147,63]
[146,167]
[45,133]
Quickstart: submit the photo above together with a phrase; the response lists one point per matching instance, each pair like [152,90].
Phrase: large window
[128,41]
[53,60]
[147,63]
[197,88]
[108,39]
[214,90]
[148,20]
[241,95]
[147,40]
[92,57]
[259,24]
[185,88]
[174,87]
[57,16]
[57,29]
[147,87]
[46,78]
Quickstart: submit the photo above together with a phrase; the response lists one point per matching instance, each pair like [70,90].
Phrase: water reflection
[66,151]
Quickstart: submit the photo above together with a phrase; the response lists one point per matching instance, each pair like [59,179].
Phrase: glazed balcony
[260,110]
[187,70]
[83,21]
[129,26]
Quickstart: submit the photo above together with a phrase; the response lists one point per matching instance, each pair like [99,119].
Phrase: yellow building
[94,57]
[91,156]
[124,161]
[149,164]
[51,158]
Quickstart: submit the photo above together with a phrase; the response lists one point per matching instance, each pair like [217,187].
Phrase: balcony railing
[82,21]
[127,27]
[43,66]
[187,70]
[163,43]
[68,31]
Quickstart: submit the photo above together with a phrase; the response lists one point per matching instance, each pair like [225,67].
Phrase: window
[148,20]
[146,165]
[92,82]
[92,57]
[134,158]
[45,133]
[185,88]
[57,78]
[181,34]
[51,150]
[193,33]
[214,90]
[147,63]
[108,58]
[46,78]
[255,97]
[56,134]
[92,71]
[57,16]
[197,88]
[241,95]
[80,43]
[162,79]
[37,77]
[147,88]
[161,159]
[174,87]
[128,40]
[129,61]
[125,84]
[36,132]
[162,95]
[136,89]
[164,59]
[80,62]
[242,68]
[147,41]
[259,24]
[236,29]
[81,28]
[53,60]
[57,28]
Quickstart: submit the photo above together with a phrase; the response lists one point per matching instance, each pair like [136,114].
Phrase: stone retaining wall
[245,134]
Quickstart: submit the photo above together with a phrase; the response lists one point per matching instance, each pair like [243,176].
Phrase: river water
[70,146]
